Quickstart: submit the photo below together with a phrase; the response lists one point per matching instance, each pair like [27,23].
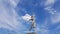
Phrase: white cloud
[58,27]
[26,17]
[48,6]
[9,17]
[50,10]
[55,18]
[42,29]
[49,2]
[55,15]
[14,2]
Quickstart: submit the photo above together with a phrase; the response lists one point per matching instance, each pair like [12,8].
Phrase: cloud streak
[50,10]
[9,17]
[54,13]
[14,2]
[49,2]
[55,18]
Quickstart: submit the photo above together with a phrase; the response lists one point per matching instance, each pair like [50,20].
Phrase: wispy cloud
[50,10]
[9,17]
[55,18]
[54,13]
[48,6]
[42,29]
[14,3]
[49,2]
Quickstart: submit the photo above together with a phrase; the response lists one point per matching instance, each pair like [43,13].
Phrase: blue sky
[47,15]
